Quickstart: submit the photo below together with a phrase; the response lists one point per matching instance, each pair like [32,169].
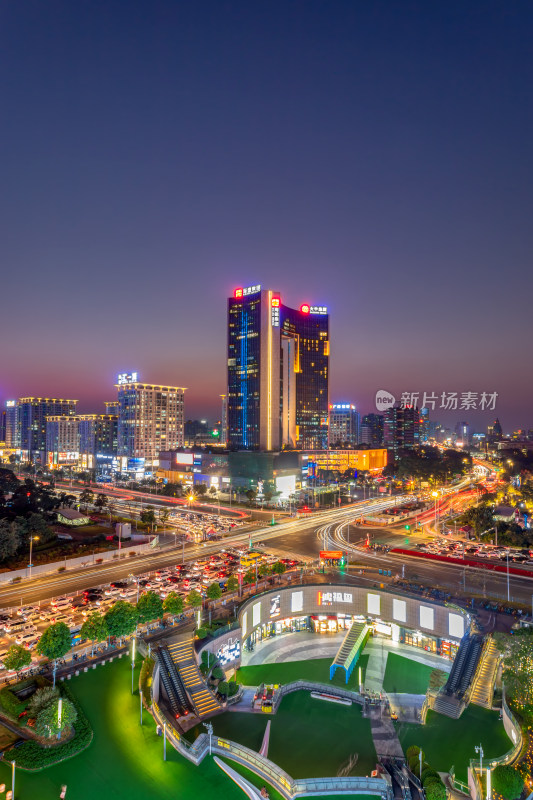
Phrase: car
[28,640]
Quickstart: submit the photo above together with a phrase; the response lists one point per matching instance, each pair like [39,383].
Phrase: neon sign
[305,308]
[238,293]
[127,377]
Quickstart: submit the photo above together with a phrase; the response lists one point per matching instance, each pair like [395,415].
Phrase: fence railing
[287,786]
[516,736]
[314,686]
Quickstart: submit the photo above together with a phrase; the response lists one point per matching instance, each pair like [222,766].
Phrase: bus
[250,559]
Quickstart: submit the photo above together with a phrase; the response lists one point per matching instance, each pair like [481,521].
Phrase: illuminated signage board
[327,598]
[275,606]
[331,554]
[127,377]
[184,458]
[305,308]
[342,405]
[248,290]
[11,403]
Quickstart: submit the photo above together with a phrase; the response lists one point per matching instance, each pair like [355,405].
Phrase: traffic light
[407,527]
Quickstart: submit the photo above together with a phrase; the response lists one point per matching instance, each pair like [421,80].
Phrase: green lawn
[124,760]
[308,738]
[451,742]
[405,675]
[314,669]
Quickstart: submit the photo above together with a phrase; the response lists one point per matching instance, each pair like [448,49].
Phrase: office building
[462,434]
[372,430]
[111,407]
[344,425]
[224,421]
[11,424]
[98,436]
[401,429]
[278,370]
[150,419]
[31,422]
[62,440]
[494,431]
[3,423]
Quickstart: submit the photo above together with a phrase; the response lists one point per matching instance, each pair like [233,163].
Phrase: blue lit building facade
[278,373]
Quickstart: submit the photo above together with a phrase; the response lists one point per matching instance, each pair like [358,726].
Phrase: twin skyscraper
[278,372]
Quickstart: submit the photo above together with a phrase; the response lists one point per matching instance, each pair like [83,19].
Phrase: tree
[48,722]
[42,698]
[86,497]
[214,591]
[263,570]
[223,688]
[101,501]
[518,664]
[164,516]
[149,607]
[148,516]
[278,568]
[55,643]
[507,782]
[251,494]
[94,628]
[121,619]
[201,489]
[194,599]
[232,584]
[17,657]
[9,540]
[173,603]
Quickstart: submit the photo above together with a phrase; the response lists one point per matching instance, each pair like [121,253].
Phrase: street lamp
[479,749]
[32,538]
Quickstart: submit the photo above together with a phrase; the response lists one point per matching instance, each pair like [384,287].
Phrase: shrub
[61,569]
[42,698]
[223,688]
[201,633]
[436,791]
[412,751]
[218,674]
[145,678]
[507,782]
[429,773]
[233,688]
[11,705]
[32,756]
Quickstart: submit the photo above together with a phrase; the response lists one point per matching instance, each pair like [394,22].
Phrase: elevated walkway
[350,649]
[204,702]
[483,685]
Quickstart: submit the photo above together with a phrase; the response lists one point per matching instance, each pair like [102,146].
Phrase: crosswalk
[182,654]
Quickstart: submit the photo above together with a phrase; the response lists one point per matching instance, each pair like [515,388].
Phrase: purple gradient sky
[373,157]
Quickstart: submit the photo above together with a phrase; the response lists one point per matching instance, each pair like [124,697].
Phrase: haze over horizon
[373,158]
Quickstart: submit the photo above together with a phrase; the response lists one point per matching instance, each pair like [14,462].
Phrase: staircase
[204,702]
[169,668]
[450,706]
[483,686]
[173,699]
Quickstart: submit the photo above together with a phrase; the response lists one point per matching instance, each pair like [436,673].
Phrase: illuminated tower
[278,361]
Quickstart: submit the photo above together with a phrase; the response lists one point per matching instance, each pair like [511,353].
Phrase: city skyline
[375,159]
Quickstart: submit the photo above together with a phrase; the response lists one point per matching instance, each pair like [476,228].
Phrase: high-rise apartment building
[150,418]
[372,429]
[31,421]
[98,435]
[62,439]
[278,371]
[11,439]
[111,407]
[401,429]
[344,425]
[224,420]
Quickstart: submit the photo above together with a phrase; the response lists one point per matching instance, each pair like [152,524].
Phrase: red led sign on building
[275,302]
[304,308]
[238,293]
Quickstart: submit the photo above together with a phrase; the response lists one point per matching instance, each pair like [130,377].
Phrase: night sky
[374,157]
